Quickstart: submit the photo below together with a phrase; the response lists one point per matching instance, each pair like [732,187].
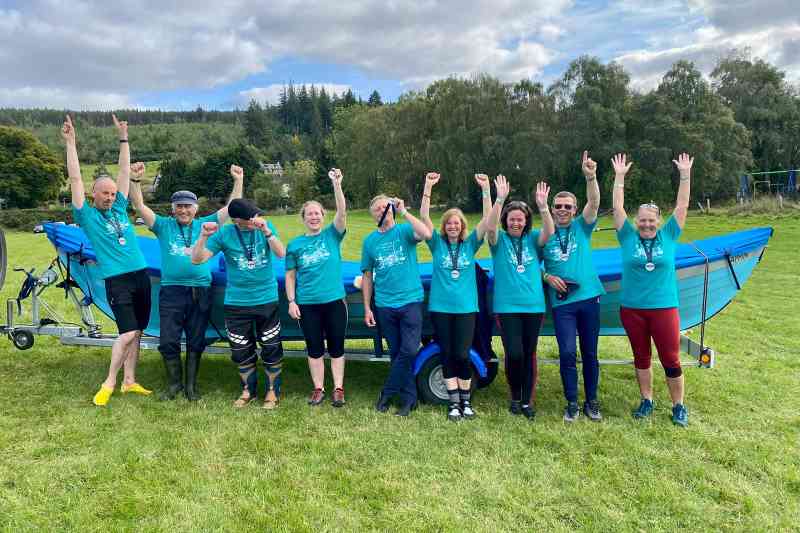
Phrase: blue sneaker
[680,417]
[571,412]
[644,410]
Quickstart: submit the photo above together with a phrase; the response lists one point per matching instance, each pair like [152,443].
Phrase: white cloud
[61,99]
[271,94]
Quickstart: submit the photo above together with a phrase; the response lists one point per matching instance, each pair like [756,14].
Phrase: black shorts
[324,321]
[129,297]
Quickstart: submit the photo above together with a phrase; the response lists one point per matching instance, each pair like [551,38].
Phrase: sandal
[270,401]
[243,400]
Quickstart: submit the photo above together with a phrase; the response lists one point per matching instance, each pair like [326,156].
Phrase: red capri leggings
[661,325]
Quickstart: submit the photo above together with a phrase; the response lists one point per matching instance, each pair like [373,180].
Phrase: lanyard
[248,252]
[188,242]
[517,250]
[114,222]
[648,248]
[563,243]
[385,211]
[454,256]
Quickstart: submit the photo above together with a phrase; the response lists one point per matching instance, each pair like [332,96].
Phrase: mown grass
[144,465]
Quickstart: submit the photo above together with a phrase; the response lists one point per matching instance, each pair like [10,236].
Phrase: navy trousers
[582,319]
[402,328]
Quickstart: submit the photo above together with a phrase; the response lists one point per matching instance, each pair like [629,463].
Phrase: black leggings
[251,325]
[520,334]
[324,321]
[454,332]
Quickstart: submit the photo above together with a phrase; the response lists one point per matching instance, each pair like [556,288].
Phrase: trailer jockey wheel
[22,339]
[491,373]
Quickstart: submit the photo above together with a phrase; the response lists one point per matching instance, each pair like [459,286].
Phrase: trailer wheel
[491,373]
[430,382]
[22,339]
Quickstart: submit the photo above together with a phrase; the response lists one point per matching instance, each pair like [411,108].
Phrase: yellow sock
[136,388]
[102,396]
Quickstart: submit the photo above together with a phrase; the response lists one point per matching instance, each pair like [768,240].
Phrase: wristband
[687,178]
[500,199]
[545,275]
[291,301]
[403,212]
[620,185]
[123,141]
[485,194]
[135,181]
[271,236]
[428,196]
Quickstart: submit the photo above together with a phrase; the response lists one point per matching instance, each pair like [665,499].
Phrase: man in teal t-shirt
[185,296]
[119,258]
[574,290]
[251,294]
[389,264]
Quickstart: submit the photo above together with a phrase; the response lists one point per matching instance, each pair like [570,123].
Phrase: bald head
[104,192]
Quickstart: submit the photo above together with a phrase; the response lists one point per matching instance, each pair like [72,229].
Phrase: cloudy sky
[161,53]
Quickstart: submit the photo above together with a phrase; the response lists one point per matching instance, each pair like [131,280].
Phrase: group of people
[530,266]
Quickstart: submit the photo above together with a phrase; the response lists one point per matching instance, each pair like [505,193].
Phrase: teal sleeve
[291,261]
[272,229]
[120,202]
[213,217]
[158,225]
[625,231]
[335,232]
[215,243]
[77,213]
[473,240]
[366,258]
[672,228]
[586,227]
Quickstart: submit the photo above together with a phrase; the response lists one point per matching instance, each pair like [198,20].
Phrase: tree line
[744,118]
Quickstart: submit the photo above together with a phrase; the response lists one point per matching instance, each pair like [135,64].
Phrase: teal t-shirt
[515,291]
[575,264]
[248,283]
[449,294]
[105,229]
[318,262]
[392,259]
[176,244]
[655,289]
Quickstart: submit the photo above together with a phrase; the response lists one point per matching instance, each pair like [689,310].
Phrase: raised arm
[238,184]
[621,168]
[421,231]
[124,174]
[73,166]
[136,197]
[486,194]
[273,241]
[684,164]
[589,168]
[502,187]
[431,179]
[340,219]
[201,254]
[548,226]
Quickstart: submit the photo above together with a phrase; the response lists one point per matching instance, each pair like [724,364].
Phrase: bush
[26,219]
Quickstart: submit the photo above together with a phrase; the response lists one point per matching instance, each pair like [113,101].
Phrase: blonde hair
[308,203]
[376,199]
[450,213]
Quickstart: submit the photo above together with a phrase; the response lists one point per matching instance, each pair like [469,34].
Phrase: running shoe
[515,408]
[680,417]
[317,395]
[467,411]
[454,412]
[592,410]
[644,410]
[338,397]
[571,412]
[528,412]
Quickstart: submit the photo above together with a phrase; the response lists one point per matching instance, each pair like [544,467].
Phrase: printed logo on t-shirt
[259,259]
[314,254]
[178,249]
[108,225]
[527,256]
[658,251]
[447,262]
[389,254]
[553,249]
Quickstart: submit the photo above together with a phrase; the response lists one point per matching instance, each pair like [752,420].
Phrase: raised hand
[542,192]
[68,131]
[502,187]
[431,179]
[684,164]
[619,164]
[399,204]
[483,181]
[209,229]
[260,223]
[237,173]
[335,176]
[122,127]
[294,310]
[137,170]
[588,166]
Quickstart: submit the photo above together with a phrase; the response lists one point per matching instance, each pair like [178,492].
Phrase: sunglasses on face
[568,207]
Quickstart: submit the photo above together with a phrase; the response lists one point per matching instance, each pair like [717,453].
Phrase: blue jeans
[581,318]
[402,329]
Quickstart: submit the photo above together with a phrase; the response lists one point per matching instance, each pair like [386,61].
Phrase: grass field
[145,465]
[88,170]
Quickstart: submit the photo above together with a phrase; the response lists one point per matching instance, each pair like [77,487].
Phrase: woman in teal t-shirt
[649,301]
[453,301]
[315,291]
[518,294]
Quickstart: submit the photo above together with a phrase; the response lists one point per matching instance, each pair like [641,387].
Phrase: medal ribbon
[563,243]
[648,250]
[454,256]
[188,242]
[517,250]
[248,252]
[114,222]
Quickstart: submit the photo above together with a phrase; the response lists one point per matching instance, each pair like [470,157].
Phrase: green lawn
[145,465]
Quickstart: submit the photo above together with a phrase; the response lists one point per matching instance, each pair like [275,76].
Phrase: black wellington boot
[192,367]
[174,379]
